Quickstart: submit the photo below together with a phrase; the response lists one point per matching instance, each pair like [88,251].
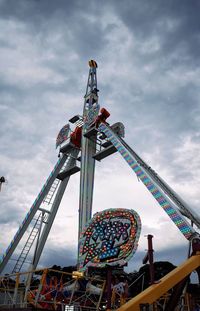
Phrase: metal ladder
[32,236]
[50,194]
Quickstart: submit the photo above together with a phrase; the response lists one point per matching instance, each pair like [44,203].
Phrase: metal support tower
[54,209]
[88,148]
[59,176]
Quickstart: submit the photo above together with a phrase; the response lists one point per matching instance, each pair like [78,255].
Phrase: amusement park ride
[110,238]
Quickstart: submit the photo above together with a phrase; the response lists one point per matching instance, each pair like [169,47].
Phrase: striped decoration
[168,207]
[27,215]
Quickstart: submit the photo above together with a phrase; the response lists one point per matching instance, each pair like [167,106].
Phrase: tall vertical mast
[88,148]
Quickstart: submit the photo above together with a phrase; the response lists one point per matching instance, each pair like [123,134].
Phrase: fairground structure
[106,241]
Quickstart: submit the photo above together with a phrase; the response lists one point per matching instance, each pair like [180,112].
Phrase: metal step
[106,144]
[67,148]
[92,132]
[69,172]
[74,119]
[51,192]
[105,153]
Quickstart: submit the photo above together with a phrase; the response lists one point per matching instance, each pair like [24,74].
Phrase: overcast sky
[148,76]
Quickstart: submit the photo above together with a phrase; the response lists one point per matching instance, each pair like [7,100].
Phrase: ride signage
[110,238]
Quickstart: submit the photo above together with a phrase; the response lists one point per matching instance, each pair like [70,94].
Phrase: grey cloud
[14,215]
[179,256]
[176,24]
[80,30]
[62,256]
[38,8]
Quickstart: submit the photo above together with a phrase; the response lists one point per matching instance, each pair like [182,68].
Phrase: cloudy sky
[148,77]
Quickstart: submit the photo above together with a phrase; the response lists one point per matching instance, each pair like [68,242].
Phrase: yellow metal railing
[155,291]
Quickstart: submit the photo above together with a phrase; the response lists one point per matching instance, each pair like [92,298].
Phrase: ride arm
[183,206]
[167,205]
